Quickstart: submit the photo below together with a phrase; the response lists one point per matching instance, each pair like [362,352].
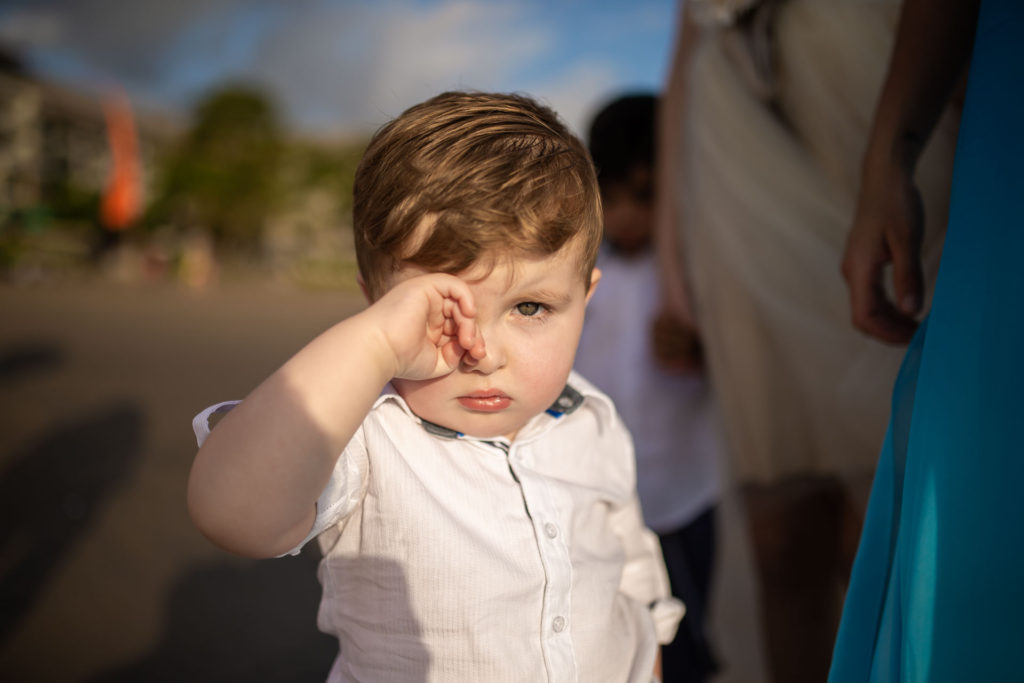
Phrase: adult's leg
[796,529]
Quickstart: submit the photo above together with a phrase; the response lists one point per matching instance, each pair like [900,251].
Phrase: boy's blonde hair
[463,175]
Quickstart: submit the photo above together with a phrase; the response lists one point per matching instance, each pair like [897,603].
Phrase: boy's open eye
[529,308]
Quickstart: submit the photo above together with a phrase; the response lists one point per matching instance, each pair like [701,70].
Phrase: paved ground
[102,576]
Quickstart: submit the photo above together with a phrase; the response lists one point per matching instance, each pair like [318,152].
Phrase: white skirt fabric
[767,198]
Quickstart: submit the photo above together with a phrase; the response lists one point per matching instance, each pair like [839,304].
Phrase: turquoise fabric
[937,591]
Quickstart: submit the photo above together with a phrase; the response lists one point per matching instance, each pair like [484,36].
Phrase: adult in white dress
[767,109]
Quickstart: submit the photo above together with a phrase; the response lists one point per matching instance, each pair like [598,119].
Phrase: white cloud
[576,91]
[362,64]
[354,65]
[455,44]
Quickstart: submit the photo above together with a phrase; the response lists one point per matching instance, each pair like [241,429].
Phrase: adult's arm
[931,51]
[675,340]
[669,170]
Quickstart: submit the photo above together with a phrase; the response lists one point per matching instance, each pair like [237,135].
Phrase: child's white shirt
[450,558]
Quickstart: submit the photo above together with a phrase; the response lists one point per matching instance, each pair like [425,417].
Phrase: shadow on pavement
[52,490]
[28,358]
[239,620]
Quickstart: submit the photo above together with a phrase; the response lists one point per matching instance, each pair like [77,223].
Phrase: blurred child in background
[654,375]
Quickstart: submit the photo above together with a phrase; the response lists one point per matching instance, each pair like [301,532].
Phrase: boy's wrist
[376,346]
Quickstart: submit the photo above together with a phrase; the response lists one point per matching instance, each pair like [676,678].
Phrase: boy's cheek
[550,365]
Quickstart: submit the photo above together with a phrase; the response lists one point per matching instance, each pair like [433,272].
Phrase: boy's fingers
[456,320]
[451,354]
[436,316]
[479,349]
[469,335]
[455,291]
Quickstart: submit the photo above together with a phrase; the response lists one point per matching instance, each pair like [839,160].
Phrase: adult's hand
[887,228]
[931,51]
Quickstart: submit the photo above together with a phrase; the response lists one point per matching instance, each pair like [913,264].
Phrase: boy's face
[530,313]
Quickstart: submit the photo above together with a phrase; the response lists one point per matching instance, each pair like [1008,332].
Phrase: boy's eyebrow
[557,297]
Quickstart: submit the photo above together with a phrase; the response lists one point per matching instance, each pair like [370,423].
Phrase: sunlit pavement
[102,577]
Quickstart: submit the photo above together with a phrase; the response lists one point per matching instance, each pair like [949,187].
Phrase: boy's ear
[595,277]
[364,288]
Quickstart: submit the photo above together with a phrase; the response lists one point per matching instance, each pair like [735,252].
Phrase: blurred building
[56,166]
[53,141]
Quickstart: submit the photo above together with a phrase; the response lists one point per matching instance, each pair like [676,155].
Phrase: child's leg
[688,557]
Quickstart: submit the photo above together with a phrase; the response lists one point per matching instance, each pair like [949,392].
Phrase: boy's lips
[486,401]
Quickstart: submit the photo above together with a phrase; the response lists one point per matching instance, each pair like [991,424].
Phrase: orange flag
[122,200]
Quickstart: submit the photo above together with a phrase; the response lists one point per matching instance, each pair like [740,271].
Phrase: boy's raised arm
[255,481]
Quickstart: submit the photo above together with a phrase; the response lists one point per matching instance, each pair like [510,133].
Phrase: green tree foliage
[329,166]
[226,175]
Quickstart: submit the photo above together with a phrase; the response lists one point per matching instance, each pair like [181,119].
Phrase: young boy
[669,412]
[474,500]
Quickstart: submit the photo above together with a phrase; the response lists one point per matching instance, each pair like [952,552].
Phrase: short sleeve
[344,491]
[201,422]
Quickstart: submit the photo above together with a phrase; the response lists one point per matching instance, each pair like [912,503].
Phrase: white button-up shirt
[451,558]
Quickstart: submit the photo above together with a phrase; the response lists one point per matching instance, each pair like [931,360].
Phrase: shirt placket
[553,549]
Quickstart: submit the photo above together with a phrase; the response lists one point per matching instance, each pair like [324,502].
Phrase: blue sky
[338,66]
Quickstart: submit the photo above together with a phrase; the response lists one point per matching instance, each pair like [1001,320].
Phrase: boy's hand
[428,323]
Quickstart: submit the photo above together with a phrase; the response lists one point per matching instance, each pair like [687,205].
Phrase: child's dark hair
[622,137]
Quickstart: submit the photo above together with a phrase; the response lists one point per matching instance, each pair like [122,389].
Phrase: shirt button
[551,530]
[558,624]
